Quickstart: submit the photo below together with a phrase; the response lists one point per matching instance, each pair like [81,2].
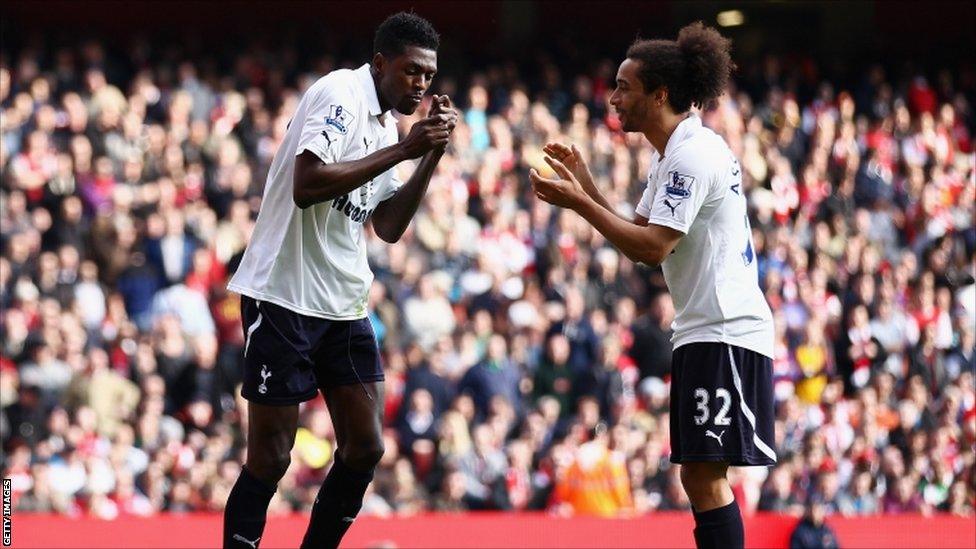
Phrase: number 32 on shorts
[701,403]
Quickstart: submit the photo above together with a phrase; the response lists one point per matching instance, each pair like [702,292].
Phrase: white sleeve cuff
[670,223]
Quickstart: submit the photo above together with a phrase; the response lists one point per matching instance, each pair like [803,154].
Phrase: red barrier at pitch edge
[484,530]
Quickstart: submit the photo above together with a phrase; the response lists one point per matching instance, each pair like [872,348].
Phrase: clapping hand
[573,160]
[564,191]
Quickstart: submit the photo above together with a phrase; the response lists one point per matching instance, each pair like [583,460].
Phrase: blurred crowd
[527,361]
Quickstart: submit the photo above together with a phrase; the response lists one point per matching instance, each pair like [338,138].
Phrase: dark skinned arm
[316,181]
[392,216]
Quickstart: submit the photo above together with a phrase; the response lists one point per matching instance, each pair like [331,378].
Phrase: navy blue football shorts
[721,405]
[289,357]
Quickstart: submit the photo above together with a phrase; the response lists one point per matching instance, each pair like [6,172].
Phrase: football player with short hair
[304,278]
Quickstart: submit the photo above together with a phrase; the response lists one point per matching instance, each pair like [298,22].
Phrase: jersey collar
[369,88]
[684,130]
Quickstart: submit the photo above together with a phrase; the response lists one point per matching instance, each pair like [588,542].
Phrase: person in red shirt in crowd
[921,97]
[34,166]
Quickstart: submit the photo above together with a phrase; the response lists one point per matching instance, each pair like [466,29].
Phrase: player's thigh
[357,416]
[703,473]
[706,484]
[350,376]
[270,434]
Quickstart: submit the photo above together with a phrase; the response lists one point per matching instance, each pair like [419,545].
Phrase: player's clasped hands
[434,131]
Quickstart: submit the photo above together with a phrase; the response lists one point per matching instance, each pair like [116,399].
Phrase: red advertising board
[486,530]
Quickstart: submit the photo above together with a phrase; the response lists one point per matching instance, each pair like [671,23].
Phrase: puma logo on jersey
[671,206]
[717,437]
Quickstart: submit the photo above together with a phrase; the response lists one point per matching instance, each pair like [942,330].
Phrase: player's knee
[278,465]
[365,455]
[270,465]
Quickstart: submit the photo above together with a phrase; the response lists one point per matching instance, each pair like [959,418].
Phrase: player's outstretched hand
[572,159]
[565,191]
[428,134]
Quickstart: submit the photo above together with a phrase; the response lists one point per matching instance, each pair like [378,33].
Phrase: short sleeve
[644,206]
[393,183]
[393,186]
[679,196]
[329,123]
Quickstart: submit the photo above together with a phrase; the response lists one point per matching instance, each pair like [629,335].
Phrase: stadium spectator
[812,532]
[596,481]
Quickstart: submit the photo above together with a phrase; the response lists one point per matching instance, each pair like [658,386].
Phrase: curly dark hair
[695,68]
[404,29]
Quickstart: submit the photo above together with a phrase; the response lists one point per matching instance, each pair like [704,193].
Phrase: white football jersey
[313,261]
[696,188]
